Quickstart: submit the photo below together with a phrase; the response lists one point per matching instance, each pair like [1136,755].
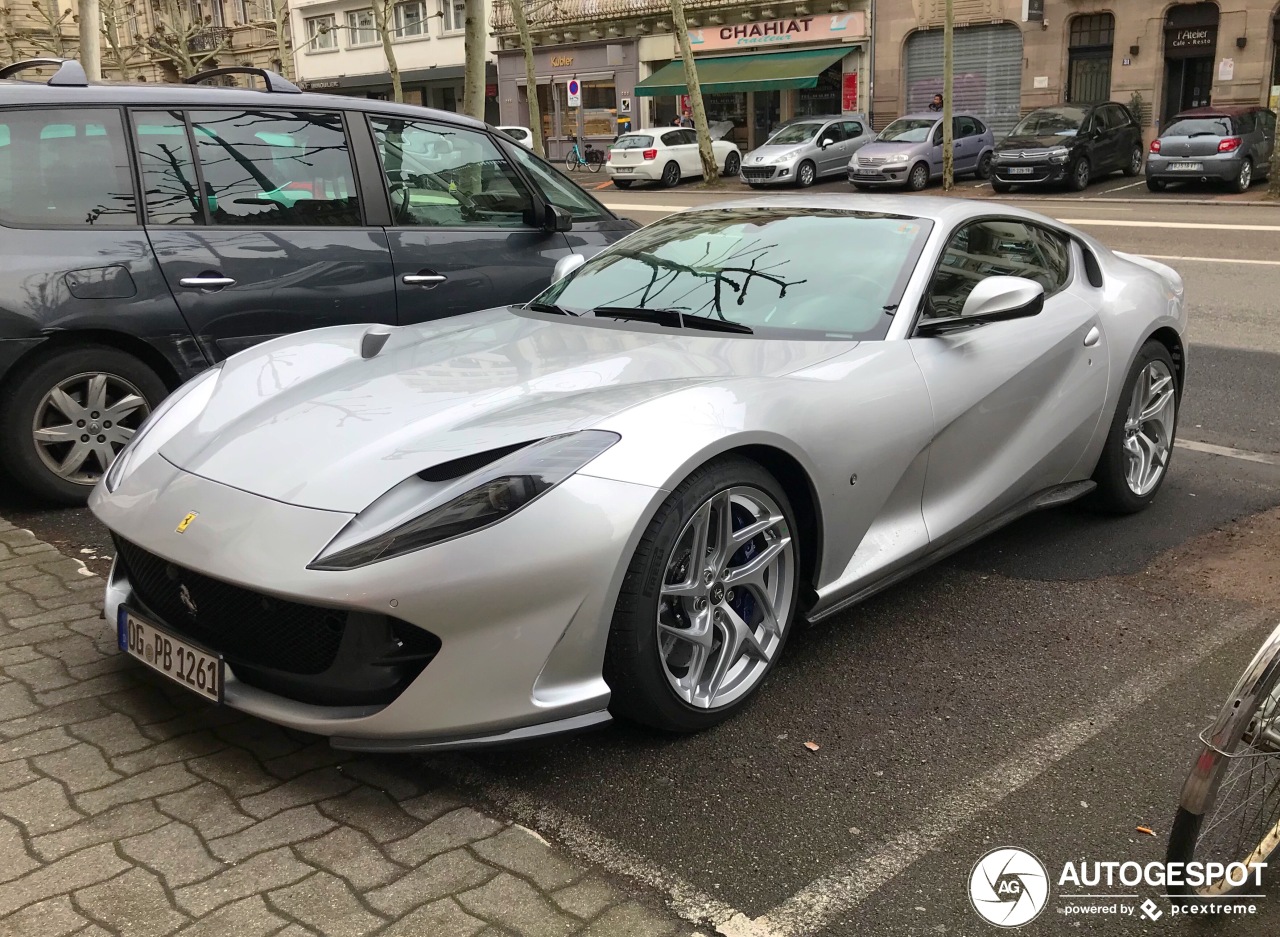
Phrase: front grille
[310,653]
[871,160]
[756,174]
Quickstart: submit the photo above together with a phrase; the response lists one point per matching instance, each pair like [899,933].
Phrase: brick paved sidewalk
[128,806]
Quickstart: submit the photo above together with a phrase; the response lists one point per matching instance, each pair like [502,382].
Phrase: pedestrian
[677,121]
[936,103]
[686,120]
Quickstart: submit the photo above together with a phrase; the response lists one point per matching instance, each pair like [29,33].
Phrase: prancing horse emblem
[185,595]
[186,521]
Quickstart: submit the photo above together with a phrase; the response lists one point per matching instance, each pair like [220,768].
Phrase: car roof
[1231,111]
[937,115]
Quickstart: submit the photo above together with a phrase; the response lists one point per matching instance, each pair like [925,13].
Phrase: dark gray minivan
[149,231]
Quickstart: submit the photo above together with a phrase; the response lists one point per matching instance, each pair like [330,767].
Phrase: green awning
[775,71]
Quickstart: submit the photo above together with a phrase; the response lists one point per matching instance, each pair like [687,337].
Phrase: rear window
[633,142]
[65,166]
[1199,127]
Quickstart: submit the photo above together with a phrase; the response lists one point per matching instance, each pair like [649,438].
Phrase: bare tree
[1273,180]
[124,49]
[47,35]
[278,21]
[183,43]
[384,20]
[519,16]
[710,172]
[90,39]
[476,55]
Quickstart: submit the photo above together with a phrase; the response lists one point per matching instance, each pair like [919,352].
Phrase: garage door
[987,76]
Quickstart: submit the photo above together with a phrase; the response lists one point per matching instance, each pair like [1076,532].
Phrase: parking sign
[575,93]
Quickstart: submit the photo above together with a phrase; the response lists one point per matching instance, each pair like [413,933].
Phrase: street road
[1042,689]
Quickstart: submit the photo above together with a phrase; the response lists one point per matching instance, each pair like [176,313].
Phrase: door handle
[1092,337]
[207,282]
[422,279]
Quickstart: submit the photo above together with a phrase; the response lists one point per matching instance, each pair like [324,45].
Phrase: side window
[1268,119]
[992,249]
[448,176]
[276,169]
[690,137]
[937,134]
[170,188]
[1245,123]
[65,166]
[833,132]
[556,189]
[672,138]
[852,130]
[979,128]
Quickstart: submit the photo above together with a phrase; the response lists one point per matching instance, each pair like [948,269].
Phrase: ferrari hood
[306,420]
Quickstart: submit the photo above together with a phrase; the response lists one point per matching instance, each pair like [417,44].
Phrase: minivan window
[277,169]
[170,188]
[65,166]
[1051,122]
[907,130]
[442,175]
[1199,127]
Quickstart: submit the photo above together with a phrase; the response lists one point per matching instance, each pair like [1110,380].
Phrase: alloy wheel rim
[725,596]
[84,421]
[1135,163]
[1082,173]
[918,179]
[806,174]
[671,175]
[1148,428]
[1246,175]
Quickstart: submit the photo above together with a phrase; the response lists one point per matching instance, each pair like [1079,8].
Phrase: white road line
[1243,454]
[1121,188]
[1214,260]
[686,900]
[838,892]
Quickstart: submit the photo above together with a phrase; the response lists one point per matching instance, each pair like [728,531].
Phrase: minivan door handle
[207,281]
[422,279]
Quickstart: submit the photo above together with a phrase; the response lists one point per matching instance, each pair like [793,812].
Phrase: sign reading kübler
[832,27]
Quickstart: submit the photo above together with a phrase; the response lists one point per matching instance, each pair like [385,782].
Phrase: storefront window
[599,109]
[825,97]
[728,107]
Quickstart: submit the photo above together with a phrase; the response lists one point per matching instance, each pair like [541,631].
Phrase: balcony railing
[208,39]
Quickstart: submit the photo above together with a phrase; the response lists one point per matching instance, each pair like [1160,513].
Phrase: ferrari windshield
[782,271]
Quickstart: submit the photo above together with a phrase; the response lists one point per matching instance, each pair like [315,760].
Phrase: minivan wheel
[1078,181]
[919,178]
[69,415]
[1245,177]
[1000,187]
[1135,162]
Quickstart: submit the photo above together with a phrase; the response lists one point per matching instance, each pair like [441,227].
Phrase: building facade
[760,64]
[1012,56]
[339,50]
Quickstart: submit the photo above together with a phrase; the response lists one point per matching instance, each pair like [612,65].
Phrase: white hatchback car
[667,156]
[522,135]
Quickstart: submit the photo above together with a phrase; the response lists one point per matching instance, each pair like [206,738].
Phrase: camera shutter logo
[1009,887]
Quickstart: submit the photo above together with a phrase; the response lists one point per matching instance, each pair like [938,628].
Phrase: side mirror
[826,142]
[994,299]
[566,265]
[556,219]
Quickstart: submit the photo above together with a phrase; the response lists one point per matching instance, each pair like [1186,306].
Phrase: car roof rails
[70,73]
[275,82]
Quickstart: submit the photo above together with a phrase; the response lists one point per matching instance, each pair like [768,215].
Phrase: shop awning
[774,71]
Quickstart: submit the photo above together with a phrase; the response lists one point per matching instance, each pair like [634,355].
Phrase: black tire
[1113,495]
[1245,178]
[633,666]
[595,160]
[622,183]
[1156,185]
[984,167]
[571,163]
[19,452]
[918,178]
[1134,166]
[806,174]
[671,175]
[1000,187]
[1080,175]
[732,165]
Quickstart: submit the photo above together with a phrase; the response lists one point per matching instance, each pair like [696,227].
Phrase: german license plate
[1020,170]
[181,661]
[1186,167]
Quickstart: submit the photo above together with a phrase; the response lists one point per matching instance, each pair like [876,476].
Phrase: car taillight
[608,155]
[649,154]
[1228,144]
[1155,146]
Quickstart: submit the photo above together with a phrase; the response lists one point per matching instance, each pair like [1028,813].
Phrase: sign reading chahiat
[831,27]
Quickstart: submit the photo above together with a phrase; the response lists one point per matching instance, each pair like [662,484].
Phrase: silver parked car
[806,150]
[1230,145]
[622,497]
[908,152]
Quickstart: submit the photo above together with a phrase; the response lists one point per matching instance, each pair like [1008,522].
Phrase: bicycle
[593,159]
[1229,809]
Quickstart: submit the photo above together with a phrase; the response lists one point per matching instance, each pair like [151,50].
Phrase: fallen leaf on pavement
[812,746]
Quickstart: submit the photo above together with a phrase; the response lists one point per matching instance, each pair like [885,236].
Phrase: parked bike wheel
[595,160]
[1229,811]
[571,162]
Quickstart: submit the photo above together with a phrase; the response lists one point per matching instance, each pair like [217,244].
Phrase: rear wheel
[707,602]
[571,162]
[1080,175]
[595,160]
[806,174]
[984,167]
[918,180]
[1139,444]
[70,414]
[1244,178]
[622,183]
[732,164]
[1134,165]
[1156,185]
[671,174]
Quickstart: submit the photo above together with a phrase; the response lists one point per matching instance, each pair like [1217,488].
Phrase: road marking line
[1214,260]
[1231,453]
[1121,188]
[686,900]
[838,892]
[604,185]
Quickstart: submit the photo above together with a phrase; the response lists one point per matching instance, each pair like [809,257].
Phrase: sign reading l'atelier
[785,32]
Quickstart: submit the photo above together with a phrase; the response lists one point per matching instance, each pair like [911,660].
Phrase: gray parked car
[1222,144]
[803,151]
[909,152]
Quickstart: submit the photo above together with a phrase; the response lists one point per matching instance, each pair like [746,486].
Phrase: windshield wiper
[550,307]
[672,318]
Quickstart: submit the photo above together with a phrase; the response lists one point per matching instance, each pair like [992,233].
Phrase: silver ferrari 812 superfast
[622,497]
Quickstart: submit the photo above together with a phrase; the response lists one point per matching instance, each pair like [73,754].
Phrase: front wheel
[806,174]
[732,165]
[1230,802]
[1081,173]
[1000,187]
[707,602]
[918,181]
[671,175]
[1134,166]
[1135,458]
[571,162]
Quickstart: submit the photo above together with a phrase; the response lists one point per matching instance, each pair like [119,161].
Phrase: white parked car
[522,135]
[667,156]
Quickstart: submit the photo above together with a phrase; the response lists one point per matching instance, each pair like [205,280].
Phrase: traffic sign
[575,93]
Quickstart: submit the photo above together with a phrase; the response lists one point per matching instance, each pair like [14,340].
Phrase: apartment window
[208,12]
[267,8]
[409,19]
[455,15]
[361,27]
[240,11]
[322,32]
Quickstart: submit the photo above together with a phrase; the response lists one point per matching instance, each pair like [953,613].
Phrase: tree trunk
[282,47]
[1273,182]
[710,172]
[948,67]
[383,21]
[530,73]
[476,55]
[91,39]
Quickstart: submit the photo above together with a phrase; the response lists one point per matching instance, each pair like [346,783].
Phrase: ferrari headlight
[175,411]
[471,503]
